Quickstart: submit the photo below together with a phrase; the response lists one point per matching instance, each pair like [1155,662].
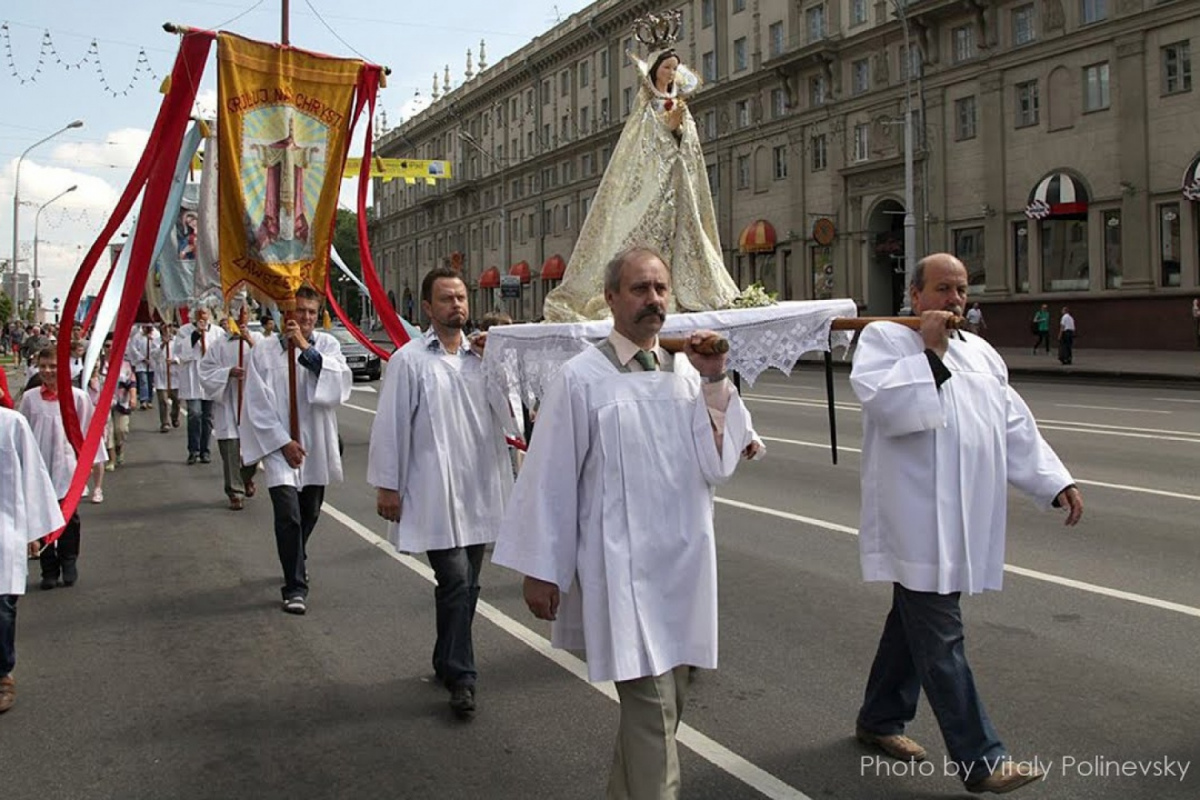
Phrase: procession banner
[206,280]
[283,129]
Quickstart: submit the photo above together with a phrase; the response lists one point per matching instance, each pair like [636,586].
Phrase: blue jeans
[145,389]
[922,648]
[8,633]
[200,414]
[456,594]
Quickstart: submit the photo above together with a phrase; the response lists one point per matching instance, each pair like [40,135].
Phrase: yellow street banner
[283,134]
[410,170]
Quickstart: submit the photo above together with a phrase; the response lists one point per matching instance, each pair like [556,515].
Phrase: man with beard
[297,470]
[943,433]
[611,520]
[439,462]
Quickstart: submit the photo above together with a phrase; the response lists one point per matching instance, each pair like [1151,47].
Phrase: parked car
[361,360]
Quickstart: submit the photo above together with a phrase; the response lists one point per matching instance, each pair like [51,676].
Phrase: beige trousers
[646,761]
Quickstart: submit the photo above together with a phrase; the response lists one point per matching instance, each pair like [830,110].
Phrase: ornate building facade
[1056,151]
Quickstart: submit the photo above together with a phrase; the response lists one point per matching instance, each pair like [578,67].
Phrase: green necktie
[646,360]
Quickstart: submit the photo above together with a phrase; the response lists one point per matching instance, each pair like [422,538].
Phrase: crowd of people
[622,575]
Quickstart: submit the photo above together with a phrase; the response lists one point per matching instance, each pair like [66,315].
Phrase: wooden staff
[167,362]
[293,408]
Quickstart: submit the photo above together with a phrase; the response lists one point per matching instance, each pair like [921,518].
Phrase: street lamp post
[17,198]
[36,286]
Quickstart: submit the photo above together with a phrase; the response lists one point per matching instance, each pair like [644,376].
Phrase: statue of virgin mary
[654,193]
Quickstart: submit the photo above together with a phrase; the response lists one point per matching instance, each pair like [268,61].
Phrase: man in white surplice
[943,435]
[220,377]
[191,343]
[297,472]
[440,465]
[613,514]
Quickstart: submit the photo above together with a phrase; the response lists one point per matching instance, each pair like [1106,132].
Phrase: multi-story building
[1056,151]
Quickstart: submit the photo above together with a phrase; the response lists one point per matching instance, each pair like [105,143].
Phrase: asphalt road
[169,671]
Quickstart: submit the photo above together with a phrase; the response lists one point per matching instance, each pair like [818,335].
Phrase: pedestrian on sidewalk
[297,470]
[1066,337]
[933,516]
[1196,319]
[221,377]
[30,511]
[440,466]
[611,520]
[166,379]
[1041,328]
[191,343]
[40,408]
[975,323]
[140,353]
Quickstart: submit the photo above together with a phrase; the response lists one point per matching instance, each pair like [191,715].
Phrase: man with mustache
[943,433]
[440,465]
[611,520]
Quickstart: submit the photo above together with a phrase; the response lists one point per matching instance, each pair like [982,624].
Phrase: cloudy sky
[47,83]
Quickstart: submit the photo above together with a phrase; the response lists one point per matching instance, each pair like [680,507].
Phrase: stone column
[1128,90]
[991,124]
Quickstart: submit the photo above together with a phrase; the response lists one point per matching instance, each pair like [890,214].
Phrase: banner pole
[284,38]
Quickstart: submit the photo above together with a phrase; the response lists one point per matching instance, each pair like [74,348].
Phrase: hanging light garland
[48,51]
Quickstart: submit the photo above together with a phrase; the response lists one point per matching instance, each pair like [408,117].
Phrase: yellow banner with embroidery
[284,128]
[410,170]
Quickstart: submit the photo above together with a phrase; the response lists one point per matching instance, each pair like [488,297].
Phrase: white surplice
[158,357]
[189,356]
[140,350]
[45,419]
[219,387]
[614,505]
[438,440]
[28,503]
[265,424]
[936,461]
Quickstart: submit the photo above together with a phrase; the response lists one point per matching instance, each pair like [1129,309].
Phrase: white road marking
[1073,427]
[1045,577]
[359,408]
[1110,408]
[371,390]
[1174,400]
[705,747]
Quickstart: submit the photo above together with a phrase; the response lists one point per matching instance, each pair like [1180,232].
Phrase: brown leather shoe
[1011,775]
[8,693]
[236,503]
[250,488]
[896,745]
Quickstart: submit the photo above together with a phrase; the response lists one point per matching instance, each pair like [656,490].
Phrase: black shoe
[70,574]
[295,605]
[205,458]
[49,583]
[192,459]
[462,701]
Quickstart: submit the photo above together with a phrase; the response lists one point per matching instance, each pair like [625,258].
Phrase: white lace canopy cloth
[524,358]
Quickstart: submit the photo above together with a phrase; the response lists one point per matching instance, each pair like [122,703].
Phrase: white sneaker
[98,495]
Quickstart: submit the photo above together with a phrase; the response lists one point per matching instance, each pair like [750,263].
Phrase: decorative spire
[469,73]
[446,84]
[435,86]
[482,55]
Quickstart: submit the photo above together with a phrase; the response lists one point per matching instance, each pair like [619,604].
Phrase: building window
[1027,104]
[816,91]
[564,82]
[742,113]
[604,63]
[584,75]
[564,125]
[1177,67]
[1065,265]
[815,23]
[1095,84]
[1113,271]
[568,171]
[740,60]
[780,162]
[626,100]
[964,118]
[858,12]
[1094,11]
[775,39]
[545,136]
[586,165]
[627,48]
[708,66]
[964,43]
[778,103]
[584,206]
[1021,256]
[910,62]
[547,222]
[968,248]
[743,172]
[707,8]
[1169,252]
[861,71]
[714,181]
[546,92]
[565,213]
[585,119]
[862,142]
[603,110]
[739,6]
[820,152]
[1022,25]
[710,124]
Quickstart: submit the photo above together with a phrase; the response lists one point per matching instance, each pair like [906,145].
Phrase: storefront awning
[554,268]
[490,279]
[521,270]
[757,237]
[1191,180]
[1058,195]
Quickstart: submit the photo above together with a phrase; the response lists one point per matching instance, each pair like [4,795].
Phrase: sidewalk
[1169,365]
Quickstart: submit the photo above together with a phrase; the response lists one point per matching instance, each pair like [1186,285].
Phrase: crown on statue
[658,31]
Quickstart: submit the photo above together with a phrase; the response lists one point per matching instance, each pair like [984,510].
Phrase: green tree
[345,239]
[6,308]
